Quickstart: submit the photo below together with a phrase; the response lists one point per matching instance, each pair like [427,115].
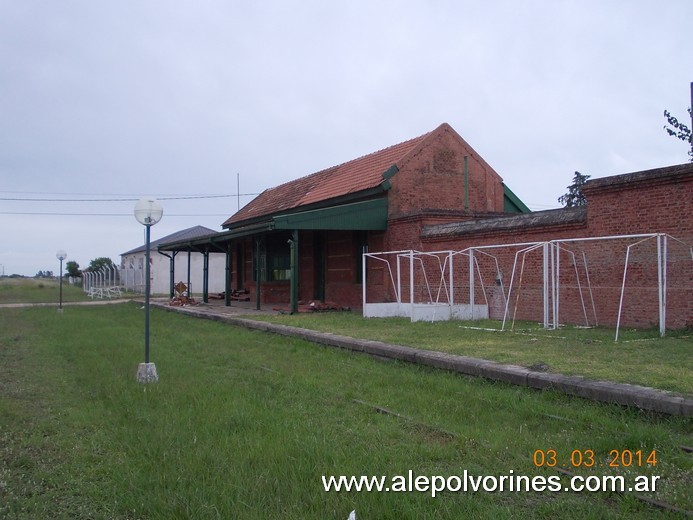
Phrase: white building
[167,268]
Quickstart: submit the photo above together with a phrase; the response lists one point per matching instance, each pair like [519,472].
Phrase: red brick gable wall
[432,178]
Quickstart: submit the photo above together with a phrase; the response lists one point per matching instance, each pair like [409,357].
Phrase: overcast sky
[123,99]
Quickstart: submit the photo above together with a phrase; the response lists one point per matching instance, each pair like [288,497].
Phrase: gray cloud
[173,98]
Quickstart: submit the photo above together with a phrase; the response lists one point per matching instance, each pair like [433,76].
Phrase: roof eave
[383,187]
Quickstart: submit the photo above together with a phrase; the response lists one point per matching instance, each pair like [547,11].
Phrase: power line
[87,194]
[182,197]
[41,213]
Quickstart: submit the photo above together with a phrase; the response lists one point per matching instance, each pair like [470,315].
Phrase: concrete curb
[641,397]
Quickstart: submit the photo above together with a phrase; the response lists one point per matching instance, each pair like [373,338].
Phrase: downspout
[172,270]
[466,183]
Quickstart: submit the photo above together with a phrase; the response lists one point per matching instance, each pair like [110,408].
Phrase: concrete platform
[636,396]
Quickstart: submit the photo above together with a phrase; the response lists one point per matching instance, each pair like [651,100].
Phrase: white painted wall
[132,272]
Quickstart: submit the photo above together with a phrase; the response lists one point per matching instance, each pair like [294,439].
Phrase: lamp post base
[146,373]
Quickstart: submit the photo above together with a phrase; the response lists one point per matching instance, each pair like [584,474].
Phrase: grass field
[244,424]
[640,357]
[38,290]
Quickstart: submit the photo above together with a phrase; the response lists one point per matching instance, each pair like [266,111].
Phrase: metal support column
[205,276]
[294,271]
[662,282]
[471,282]
[171,271]
[411,281]
[172,275]
[258,274]
[557,298]
[188,279]
[451,298]
[546,285]
[227,277]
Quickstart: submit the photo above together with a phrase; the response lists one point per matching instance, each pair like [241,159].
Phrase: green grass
[38,290]
[639,357]
[44,291]
[243,424]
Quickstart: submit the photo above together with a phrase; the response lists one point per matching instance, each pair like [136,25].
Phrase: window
[280,267]
[275,258]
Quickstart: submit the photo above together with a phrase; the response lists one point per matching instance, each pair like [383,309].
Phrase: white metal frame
[551,266]
[413,309]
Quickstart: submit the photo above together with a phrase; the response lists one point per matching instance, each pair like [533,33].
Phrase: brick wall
[429,189]
[433,179]
[658,201]
[661,202]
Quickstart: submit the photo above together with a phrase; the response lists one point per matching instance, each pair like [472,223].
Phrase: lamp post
[147,212]
[61,255]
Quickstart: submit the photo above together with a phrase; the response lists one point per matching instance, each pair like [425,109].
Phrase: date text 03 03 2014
[587,458]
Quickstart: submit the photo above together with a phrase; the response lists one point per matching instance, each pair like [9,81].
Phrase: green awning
[367,215]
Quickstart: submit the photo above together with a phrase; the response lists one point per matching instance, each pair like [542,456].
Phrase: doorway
[319,266]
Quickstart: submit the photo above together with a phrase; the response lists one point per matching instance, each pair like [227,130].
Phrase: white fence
[132,279]
[109,282]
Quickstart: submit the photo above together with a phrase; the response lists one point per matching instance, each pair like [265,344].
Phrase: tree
[677,129]
[98,263]
[72,269]
[575,197]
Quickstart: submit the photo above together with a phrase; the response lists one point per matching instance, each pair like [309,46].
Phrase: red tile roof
[350,177]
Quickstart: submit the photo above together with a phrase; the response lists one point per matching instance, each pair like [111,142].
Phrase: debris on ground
[314,306]
[181,297]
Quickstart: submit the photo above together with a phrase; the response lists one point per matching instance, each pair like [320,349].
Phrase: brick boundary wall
[655,201]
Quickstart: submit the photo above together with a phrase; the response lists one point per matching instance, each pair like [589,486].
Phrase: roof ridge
[347,178]
[335,166]
[173,237]
[422,136]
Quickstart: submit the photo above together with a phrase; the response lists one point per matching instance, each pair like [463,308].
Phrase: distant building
[170,267]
